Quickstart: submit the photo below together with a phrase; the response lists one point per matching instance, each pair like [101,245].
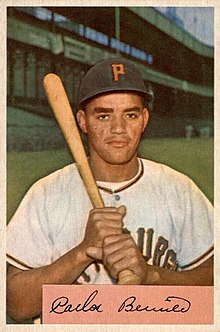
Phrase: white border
[106,328]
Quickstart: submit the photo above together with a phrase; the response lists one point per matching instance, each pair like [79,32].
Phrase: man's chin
[119,160]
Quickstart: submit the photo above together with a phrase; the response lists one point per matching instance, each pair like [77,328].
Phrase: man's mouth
[118,144]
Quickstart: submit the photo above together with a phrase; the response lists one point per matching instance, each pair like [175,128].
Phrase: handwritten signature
[176,304]
[173,304]
[62,305]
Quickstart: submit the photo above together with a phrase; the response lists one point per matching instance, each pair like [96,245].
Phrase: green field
[192,157]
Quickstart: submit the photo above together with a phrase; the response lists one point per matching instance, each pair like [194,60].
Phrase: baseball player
[56,237]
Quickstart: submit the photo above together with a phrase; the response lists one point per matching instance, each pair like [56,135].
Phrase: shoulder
[59,179]
[163,172]
[173,183]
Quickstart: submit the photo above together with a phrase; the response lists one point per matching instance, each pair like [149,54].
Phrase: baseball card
[109,165]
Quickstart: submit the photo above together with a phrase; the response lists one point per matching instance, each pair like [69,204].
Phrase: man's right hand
[102,222]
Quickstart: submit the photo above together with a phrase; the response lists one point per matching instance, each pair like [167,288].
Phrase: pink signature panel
[104,304]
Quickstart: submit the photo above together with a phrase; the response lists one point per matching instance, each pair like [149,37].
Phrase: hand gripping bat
[61,108]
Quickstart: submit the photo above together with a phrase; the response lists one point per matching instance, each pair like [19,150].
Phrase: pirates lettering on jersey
[161,249]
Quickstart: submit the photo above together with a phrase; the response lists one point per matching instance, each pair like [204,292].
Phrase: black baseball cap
[111,75]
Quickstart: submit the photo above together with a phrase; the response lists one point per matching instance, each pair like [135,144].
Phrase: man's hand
[102,223]
[121,253]
[106,241]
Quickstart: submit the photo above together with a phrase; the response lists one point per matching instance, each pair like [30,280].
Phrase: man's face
[114,123]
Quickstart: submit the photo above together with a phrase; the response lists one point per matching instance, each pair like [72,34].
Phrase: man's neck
[114,173]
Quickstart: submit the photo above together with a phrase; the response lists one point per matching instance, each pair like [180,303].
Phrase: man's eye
[103,117]
[132,116]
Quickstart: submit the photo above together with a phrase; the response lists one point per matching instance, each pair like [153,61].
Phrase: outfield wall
[30,132]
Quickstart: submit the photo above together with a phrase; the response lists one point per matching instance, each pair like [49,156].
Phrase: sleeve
[28,237]
[197,230]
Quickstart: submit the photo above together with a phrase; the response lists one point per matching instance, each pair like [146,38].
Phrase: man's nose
[118,125]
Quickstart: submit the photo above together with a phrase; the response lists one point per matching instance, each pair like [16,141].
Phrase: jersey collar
[124,185]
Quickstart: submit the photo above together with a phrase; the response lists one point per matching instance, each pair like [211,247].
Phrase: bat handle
[128,277]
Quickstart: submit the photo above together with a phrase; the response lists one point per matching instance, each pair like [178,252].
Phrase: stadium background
[177,67]
[68,41]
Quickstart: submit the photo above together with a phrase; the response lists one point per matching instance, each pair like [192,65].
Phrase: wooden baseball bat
[63,113]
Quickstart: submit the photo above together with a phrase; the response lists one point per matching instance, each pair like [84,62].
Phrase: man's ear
[146,118]
[81,119]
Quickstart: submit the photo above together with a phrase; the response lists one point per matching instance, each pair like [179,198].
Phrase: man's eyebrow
[103,109]
[110,110]
[133,109]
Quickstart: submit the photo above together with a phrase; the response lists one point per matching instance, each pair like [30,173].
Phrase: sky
[199,21]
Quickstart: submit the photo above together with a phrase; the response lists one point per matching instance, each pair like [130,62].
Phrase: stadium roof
[132,24]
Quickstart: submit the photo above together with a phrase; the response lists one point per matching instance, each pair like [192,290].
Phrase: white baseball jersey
[168,216]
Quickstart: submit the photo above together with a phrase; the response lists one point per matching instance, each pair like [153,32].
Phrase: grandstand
[178,68]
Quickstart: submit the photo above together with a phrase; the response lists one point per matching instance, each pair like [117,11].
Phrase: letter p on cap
[118,69]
